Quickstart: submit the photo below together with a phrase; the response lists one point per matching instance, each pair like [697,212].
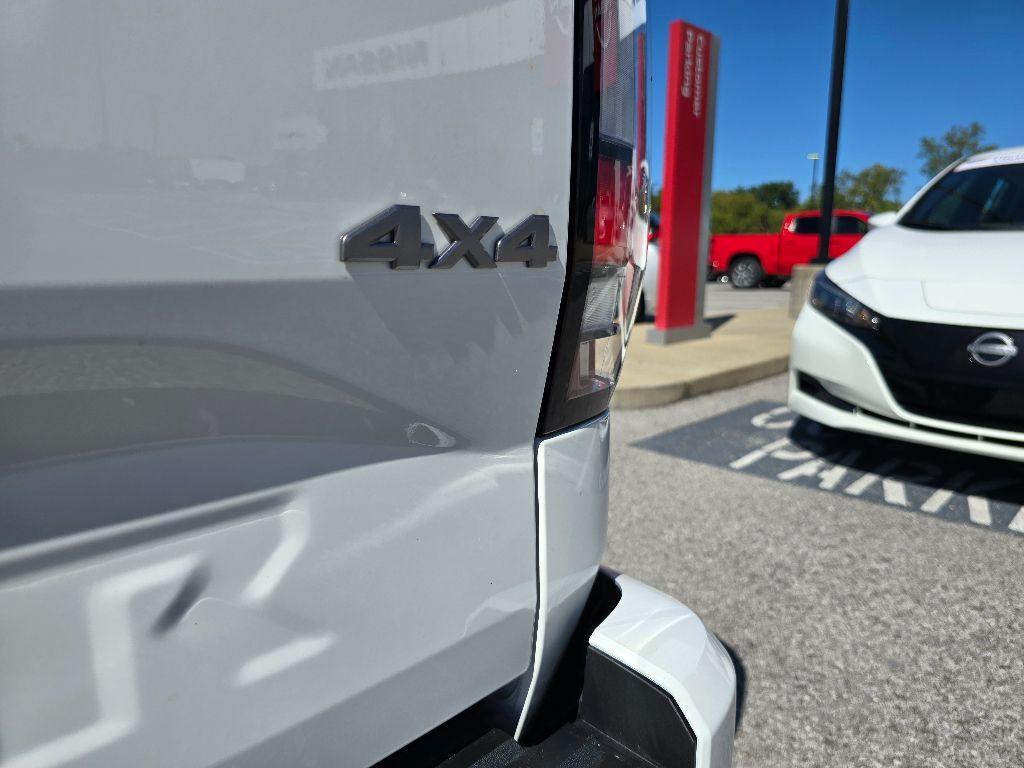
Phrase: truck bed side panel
[257,501]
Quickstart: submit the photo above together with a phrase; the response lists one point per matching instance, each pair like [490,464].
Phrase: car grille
[930,373]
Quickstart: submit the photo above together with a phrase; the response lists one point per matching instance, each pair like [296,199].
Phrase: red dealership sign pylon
[686,188]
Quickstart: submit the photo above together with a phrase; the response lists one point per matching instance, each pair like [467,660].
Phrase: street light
[814,157]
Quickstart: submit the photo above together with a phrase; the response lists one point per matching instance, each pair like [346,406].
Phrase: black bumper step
[623,721]
[578,745]
[597,713]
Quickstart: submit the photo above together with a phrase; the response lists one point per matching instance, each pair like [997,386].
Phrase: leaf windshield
[988,197]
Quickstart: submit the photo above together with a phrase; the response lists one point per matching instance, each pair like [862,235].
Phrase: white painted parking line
[979,511]
[941,497]
[831,477]
[807,469]
[1017,524]
[894,492]
[970,489]
[761,453]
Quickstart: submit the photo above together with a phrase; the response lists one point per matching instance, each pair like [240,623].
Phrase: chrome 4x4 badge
[400,236]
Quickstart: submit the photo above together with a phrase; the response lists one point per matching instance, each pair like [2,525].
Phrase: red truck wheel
[746,272]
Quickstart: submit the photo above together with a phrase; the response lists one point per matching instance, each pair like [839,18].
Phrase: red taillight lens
[609,211]
[614,195]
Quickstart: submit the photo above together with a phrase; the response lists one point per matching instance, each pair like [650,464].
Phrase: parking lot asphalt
[722,298]
[872,592]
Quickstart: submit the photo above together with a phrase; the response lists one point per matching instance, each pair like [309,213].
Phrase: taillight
[609,209]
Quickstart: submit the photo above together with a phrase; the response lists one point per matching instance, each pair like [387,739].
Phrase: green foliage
[959,141]
[737,210]
[760,208]
[778,195]
[874,189]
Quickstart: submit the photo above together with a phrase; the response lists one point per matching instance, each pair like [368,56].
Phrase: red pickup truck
[753,260]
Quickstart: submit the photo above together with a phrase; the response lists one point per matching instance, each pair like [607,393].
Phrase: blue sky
[913,69]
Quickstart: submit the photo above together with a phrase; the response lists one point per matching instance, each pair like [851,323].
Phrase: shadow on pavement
[768,440]
[718,321]
[911,464]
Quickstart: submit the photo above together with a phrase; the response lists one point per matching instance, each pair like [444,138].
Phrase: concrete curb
[663,394]
[800,286]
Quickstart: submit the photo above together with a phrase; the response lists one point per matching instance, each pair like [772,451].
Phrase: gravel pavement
[869,633]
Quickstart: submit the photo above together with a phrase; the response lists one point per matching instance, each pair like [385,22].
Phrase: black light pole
[835,103]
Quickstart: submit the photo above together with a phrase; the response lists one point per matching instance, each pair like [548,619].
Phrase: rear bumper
[615,657]
[647,686]
[583,626]
[668,648]
[621,674]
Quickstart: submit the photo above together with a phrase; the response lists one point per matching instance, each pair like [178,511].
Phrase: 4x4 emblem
[396,236]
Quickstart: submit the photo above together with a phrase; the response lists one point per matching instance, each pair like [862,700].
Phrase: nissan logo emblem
[992,349]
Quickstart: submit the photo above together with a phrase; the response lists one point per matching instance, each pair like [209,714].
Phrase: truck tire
[746,272]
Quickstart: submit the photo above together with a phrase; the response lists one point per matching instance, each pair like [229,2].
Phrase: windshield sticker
[1002,158]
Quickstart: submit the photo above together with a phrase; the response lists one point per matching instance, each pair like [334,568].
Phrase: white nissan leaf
[916,333]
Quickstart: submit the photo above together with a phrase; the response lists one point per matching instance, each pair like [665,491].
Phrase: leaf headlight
[835,303]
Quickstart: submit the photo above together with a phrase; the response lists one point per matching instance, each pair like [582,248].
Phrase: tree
[959,141]
[780,195]
[737,211]
[760,208]
[876,188]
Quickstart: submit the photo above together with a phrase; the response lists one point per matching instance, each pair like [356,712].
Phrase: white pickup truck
[310,317]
